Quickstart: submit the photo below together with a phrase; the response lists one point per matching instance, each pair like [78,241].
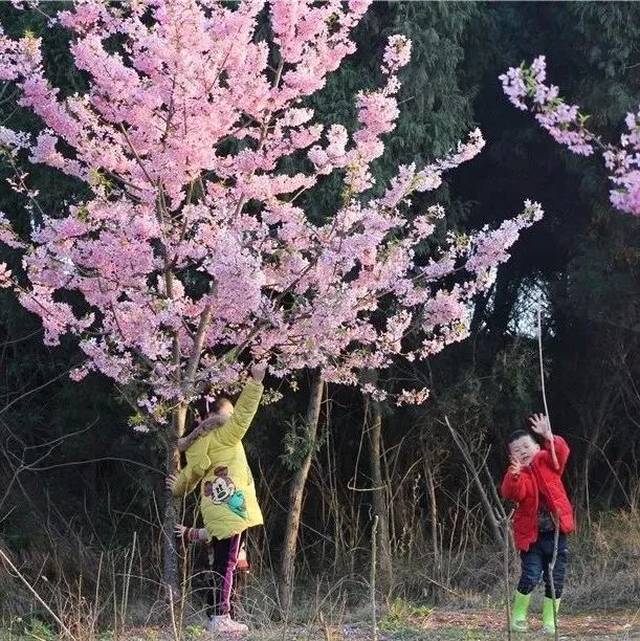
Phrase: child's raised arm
[558,445]
[236,427]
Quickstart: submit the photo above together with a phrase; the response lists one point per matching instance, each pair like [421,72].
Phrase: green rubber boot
[519,612]
[548,620]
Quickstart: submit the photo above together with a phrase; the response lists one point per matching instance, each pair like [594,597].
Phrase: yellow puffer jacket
[228,502]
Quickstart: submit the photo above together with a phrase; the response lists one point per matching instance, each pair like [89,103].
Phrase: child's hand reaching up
[540,425]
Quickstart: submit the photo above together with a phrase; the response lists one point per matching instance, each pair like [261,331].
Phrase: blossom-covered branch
[191,247]
[525,86]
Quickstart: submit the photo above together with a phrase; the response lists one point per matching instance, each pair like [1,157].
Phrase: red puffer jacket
[540,478]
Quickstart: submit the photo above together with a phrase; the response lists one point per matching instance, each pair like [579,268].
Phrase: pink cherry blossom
[490,247]
[525,88]
[5,276]
[193,252]
[412,396]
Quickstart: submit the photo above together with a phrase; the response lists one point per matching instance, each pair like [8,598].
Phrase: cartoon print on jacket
[223,490]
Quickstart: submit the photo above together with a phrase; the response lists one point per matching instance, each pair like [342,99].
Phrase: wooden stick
[552,444]
[506,563]
[374,549]
[484,498]
[552,583]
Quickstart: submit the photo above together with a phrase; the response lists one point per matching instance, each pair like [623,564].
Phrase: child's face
[524,449]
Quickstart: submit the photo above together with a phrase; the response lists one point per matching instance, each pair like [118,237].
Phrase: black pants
[223,558]
[536,561]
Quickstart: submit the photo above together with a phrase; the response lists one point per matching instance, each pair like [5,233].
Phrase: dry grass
[116,596]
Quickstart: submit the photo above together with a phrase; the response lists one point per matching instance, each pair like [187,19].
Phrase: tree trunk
[172,506]
[296,491]
[379,490]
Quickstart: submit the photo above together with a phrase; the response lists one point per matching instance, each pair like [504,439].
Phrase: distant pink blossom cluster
[5,276]
[490,247]
[193,249]
[526,89]
[624,164]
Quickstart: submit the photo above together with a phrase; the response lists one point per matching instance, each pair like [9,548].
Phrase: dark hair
[202,408]
[216,406]
[516,434]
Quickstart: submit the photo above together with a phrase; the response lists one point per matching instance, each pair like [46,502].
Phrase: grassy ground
[603,580]
[401,623]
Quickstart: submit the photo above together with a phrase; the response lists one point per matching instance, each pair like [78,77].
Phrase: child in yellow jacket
[216,459]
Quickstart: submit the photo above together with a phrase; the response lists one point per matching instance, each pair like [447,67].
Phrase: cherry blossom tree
[192,250]
[527,90]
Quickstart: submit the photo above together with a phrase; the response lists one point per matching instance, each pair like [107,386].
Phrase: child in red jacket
[534,481]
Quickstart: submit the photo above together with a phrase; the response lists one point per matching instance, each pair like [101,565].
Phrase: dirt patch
[601,626]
